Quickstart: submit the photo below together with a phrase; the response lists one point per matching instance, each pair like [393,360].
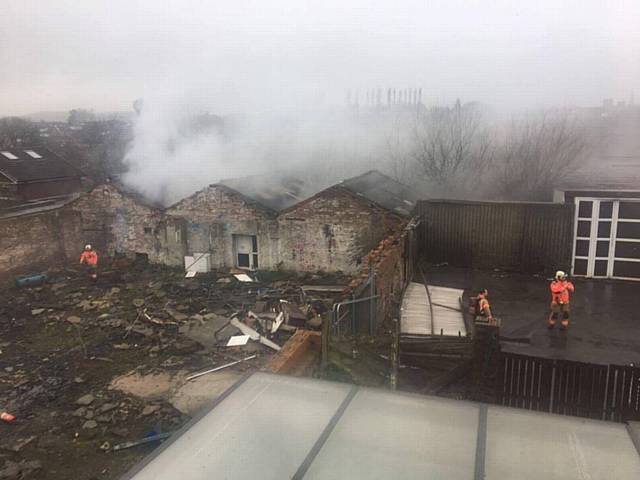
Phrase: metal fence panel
[608,392]
[531,237]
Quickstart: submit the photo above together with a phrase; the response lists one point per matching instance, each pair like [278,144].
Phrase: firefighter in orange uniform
[90,258]
[482,309]
[561,290]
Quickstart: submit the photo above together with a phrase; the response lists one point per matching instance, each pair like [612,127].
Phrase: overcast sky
[61,54]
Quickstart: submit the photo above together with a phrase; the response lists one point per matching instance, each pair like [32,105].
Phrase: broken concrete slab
[152,386]
[204,332]
[150,410]
[176,315]
[198,393]
[85,400]
[89,424]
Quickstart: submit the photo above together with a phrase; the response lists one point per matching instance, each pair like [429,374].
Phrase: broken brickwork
[332,231]
[329,232]
[209,220]
[392,264]
[115,222]
[36,239]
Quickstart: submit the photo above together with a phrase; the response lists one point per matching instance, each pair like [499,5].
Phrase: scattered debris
[85,400]
[150,439]
[190,274]
[238,340]
[243,277]
[89,424]
[245,329]
[13,470]
[7,417]
[68,339]
[22,442]
[149,410]
[216,369]
[276,325]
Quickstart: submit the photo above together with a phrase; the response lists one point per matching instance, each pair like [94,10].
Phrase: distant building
[266,223]
[606,242]
[34,173]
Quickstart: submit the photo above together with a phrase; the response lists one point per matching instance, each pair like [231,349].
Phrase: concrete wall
[331,232]
[115,223]
[38,240]
[212,217]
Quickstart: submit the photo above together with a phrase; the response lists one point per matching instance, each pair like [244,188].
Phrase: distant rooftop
[605,173]
[34,164]
[384,191]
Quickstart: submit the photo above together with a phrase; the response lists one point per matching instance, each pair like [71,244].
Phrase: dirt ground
[85,367]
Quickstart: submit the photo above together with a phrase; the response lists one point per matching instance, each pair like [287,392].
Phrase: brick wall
[115,222]
[331,231]
[392,262]
[38,240]
[211,217]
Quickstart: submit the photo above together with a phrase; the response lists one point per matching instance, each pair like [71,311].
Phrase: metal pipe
[196,375]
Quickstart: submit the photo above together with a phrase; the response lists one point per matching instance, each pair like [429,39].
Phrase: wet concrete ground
[605,317]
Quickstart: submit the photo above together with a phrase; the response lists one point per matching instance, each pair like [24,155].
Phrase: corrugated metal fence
[605,392]
[529,237]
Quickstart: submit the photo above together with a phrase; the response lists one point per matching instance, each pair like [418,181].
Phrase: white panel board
[448,318]
[415,315]
[447,313]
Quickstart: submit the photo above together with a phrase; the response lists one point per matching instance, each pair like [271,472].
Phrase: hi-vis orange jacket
[560,290]
[89,257]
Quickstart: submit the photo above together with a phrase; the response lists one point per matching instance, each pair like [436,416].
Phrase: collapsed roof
[35,164]
[272,191]
[383,191]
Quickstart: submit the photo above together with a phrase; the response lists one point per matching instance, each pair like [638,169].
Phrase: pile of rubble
[87,368]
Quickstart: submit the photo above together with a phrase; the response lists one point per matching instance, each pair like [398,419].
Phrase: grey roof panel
[29,169]
[384,191]
[264,429]
[275,427]
[276,192]
[531,445]
[383,435]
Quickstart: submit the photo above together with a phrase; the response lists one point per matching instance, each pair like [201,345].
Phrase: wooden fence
[606,392]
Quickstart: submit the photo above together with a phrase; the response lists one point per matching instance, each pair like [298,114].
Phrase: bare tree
[537,153]
[451,146]
[15,132]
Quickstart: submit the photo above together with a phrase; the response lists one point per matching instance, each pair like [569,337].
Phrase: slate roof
[272,191]
[383,191]
[26,168]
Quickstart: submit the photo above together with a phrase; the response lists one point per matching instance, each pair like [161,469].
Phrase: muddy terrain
[85,367]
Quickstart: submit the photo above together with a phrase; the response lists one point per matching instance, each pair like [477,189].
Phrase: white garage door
[607,238]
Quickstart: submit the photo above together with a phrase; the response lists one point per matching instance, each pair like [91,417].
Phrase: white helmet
[87,247]
[560,274]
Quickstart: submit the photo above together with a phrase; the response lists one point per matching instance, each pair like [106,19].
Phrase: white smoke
[170,157]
